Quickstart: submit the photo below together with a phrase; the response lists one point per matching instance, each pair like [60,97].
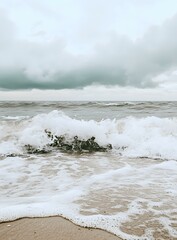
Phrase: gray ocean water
[91,110]
[129,190]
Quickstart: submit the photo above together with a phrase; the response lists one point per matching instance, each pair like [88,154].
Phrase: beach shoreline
[52,228]
[129,191]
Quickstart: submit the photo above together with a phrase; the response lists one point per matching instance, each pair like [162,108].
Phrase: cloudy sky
[88,50]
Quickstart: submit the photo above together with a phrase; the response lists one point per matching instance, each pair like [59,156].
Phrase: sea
[129,190]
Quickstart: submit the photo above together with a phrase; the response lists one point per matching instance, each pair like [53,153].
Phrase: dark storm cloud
[76,79]
[119,61]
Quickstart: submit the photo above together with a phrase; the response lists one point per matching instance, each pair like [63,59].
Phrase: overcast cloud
[147,59]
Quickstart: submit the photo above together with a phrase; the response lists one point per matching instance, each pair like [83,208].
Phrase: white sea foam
[115,191]
[118,104]
[103,191]
[14,117]
[132,137]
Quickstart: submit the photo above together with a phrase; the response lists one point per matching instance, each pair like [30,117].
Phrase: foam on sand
[114,194]
[120,191]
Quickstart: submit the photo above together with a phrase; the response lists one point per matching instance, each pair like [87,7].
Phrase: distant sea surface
[129,190]
[91,110]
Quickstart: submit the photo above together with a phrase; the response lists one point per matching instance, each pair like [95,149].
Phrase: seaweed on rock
[74,145]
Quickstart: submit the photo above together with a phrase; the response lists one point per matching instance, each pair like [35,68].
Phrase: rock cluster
[76,144]
[33,150]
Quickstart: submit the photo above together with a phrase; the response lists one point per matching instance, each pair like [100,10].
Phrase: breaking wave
[118,191]
[151,137]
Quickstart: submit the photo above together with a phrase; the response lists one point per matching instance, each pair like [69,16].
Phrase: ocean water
[130,190]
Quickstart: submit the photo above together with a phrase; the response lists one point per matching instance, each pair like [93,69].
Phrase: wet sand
[51,228]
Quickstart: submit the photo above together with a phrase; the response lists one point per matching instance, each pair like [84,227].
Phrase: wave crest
[131,137]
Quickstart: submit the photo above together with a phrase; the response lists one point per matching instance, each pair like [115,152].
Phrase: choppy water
[130,190]
[91,110]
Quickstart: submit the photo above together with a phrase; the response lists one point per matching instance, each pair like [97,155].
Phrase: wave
[62,105]
[17,104]
[43,104]
[115,104]
[150,137]
[109,190]
[14,117]
[134,105]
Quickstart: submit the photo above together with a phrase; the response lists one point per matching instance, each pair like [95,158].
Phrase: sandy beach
[53,228]
[129,191]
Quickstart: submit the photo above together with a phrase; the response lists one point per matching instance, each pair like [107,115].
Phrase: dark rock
[32,150]
[76,145]
[85,145]
[49,134]
[61,143]
[12,155]
[66,147]
[109,146]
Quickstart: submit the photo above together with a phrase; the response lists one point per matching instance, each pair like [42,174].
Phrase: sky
[88,50]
